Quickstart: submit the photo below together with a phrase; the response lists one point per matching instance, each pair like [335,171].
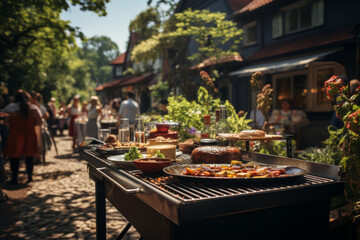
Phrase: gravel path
[59,204]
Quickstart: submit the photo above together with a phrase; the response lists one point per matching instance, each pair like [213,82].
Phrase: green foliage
[346,141]
[214,34]
[171,4]
[128,72]
[35,42]
[277,148]
[190,113]
[146,23]
[159,91]
[98,52]
[321,155]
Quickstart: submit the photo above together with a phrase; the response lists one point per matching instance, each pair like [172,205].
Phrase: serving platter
[116,151]
[235,136]
[177,171]
[120,160]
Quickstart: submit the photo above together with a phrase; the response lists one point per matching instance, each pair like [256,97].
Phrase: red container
[152,165]
[162,128]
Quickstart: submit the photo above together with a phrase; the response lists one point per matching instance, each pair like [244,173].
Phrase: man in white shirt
[129,109]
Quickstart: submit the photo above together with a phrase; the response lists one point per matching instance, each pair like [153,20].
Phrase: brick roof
[119,59]
[307,42]
[136,80]
[126,81]
[253,5]
[236,5]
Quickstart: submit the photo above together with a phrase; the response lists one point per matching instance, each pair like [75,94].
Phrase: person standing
[24,134]
[129,108]
[74,110]
[93,124]
[52,106]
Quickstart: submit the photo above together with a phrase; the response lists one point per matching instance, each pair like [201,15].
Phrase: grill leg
[124,231]
[289,151]
[100,210]
[247,146]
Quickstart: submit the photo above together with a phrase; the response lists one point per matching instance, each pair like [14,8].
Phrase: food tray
[176,171]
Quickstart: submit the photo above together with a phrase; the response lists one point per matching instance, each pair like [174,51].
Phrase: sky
[114,25]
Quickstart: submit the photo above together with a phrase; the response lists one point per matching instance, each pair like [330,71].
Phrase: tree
[32,37]
[146,23]
[98,52]
[215,36]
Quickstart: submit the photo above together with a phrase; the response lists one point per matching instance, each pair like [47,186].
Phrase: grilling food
[111,143]
[236,170]
[215,154]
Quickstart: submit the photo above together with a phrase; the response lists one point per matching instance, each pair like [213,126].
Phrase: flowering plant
[348,138]
[208,80]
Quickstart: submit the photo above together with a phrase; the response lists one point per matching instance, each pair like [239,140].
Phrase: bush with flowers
[347,138]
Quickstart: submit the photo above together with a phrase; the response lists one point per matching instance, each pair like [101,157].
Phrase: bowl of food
[162,127]
[152,165]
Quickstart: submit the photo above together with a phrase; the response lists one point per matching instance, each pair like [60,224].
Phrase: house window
[298,16]
[303,16]
[291,86]
[277,26]
[118,70]
[250,34]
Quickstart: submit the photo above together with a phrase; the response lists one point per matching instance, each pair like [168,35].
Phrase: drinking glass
[139,131]
[104,133]
[124,131]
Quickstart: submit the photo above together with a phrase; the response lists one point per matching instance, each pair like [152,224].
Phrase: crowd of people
[25,119]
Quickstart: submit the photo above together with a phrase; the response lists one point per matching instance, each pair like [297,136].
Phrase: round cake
[215,154]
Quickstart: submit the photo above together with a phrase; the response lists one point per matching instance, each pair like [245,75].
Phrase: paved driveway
[59,204]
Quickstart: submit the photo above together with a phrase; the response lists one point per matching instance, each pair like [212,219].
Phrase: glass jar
[124,131]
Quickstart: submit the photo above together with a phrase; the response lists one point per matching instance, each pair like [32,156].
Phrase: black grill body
[162,207]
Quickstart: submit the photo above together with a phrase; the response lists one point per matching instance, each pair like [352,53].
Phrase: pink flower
[334,86]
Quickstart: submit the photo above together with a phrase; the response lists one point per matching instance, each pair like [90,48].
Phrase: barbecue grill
[163,207]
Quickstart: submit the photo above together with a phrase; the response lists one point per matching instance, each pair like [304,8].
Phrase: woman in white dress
[93,124]
[74,110]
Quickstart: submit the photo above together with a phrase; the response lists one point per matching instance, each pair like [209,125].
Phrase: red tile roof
[126,81]
[255,4]
[119,59]
[136,80]
[315,40]
[110,84]
[214,61]
[236,5]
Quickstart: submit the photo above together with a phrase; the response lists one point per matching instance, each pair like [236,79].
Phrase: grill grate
[190,191]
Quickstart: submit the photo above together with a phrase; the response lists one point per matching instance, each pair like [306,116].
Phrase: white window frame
[246,27]
[317,14]
[277,25]
[118,70]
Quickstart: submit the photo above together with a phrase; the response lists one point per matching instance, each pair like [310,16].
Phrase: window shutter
[277,27]
[317,17]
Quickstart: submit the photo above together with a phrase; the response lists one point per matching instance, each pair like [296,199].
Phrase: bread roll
[215,154]
[252,133]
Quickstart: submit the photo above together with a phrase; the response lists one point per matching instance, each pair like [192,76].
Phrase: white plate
[120,160]
[178,153]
